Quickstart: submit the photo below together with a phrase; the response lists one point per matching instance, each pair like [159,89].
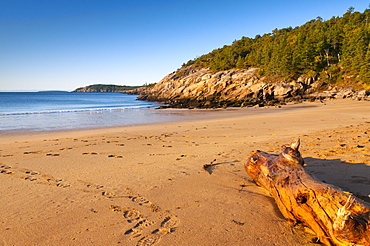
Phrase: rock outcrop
[202,88]
[335,93]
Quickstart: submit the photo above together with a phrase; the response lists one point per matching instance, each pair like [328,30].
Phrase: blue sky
[65,44]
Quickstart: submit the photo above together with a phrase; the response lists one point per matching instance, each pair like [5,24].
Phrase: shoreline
[189,114]
[132,184]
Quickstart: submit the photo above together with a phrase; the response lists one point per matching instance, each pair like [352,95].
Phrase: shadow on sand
[352,177]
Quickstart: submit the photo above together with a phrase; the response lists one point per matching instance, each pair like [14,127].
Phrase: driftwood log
[336,216]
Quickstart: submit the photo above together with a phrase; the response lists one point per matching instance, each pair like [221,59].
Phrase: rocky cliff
[203,88]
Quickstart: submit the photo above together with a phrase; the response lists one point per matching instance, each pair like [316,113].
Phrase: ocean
[58,110]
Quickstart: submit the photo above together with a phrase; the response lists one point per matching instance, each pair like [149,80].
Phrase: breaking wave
[92,110]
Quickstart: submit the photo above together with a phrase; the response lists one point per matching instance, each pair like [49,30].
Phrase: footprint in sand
[140,200]
[143,223]
[5,166]
[66,148]
[42,178]
[115,208]
[29,178]
[134,232]
[148,240]
[154,208]
[138,228]
[5,171]
[95,186]
[131,214]
[91,153]
[46,181]
[6,155]
[31,152]
[167,223]
[116,156]
[170,222]
[51,154]
[29,172]
[61,185]
[91,185]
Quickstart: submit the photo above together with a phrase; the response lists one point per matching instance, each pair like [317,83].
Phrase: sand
[145,185]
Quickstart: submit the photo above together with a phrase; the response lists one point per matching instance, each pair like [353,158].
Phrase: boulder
[362,94]
[283,90]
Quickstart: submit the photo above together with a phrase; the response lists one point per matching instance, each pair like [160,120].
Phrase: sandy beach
[145,184]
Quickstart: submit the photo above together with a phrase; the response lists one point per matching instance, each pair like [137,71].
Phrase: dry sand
[144,184]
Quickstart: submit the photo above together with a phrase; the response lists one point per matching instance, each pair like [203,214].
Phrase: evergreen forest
[105,88]
[336,51]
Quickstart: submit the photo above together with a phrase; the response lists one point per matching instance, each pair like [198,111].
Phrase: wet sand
[145,184]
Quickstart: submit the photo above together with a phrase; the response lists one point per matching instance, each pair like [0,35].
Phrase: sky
[66,44]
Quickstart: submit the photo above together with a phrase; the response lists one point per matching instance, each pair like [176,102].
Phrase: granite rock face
[204,88]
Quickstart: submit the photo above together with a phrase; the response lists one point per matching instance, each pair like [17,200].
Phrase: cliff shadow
[352,177]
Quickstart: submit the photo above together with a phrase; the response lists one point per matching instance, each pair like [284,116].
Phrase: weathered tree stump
[336,216]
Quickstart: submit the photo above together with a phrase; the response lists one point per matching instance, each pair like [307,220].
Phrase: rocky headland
[317,60]
[202,88]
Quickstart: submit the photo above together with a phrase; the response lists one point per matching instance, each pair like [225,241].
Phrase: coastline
[124,185]
[162,115]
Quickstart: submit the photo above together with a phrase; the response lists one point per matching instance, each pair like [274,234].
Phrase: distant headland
[105,88]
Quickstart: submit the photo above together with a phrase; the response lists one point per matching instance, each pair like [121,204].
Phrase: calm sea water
[45,111]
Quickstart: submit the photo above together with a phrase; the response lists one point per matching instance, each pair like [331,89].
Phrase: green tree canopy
[338,49]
